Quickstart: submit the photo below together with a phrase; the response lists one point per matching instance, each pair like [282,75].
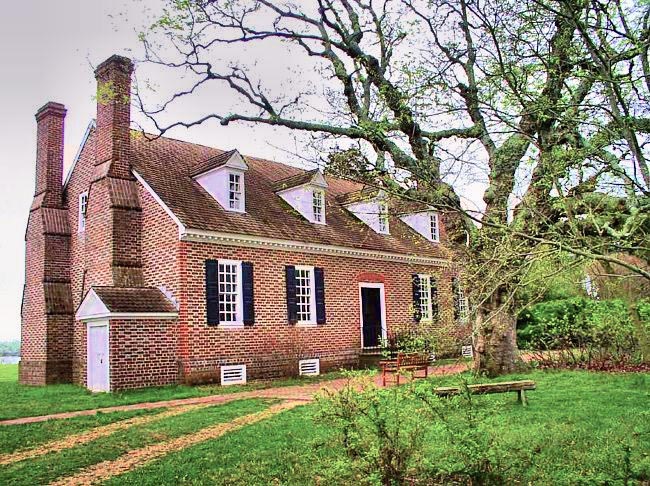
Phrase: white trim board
[250,241]
[170,213]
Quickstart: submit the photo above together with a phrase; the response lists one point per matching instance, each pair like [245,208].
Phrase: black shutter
[434,298]
[247,291]
[319,284]
[212,291]
[454,291]
[417,312]
[292,310]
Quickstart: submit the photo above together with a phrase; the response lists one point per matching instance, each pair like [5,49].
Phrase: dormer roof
[366,193]
[231,158]
[312,177]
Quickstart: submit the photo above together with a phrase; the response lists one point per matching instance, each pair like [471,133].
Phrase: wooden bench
[482,389]
[411,362]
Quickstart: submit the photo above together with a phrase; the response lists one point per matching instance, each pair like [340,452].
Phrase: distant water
[9,359]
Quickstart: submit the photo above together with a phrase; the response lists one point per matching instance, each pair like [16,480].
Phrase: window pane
[303,294]
[234,196]
[425,296]
[317,205]
[228,296]
[383,217]
[435,230]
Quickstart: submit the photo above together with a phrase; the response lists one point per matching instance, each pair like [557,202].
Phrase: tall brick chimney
[114,214]
[49,154]
[114,115]
[46,316]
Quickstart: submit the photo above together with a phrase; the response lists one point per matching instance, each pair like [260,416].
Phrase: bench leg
[383,377]
[521,397]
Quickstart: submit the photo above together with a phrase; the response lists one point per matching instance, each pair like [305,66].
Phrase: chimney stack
[49,155]
[114,116]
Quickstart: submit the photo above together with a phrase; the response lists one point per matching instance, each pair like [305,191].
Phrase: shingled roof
[134,300]
[167,165]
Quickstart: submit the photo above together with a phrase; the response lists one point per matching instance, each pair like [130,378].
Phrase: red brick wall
[142,353]
[271,347]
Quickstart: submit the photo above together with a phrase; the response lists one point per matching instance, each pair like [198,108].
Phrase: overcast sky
[47,53]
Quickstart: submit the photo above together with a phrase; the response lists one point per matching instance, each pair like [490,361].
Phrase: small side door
[98,365]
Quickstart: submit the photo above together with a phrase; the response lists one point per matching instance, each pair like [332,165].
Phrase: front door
[371,316]
[98,371]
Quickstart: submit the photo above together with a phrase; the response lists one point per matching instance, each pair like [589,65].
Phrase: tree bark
[495,337]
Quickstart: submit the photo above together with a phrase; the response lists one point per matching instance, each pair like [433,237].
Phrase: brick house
[160,262]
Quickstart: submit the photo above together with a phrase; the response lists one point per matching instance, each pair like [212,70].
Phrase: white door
[98,371]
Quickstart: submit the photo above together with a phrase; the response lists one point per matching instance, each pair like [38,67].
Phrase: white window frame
[83,211]
[428,316]
[318,195]
[434,229]
[463,305]
[239,309]
[382,218]
[312,293]
[242,196]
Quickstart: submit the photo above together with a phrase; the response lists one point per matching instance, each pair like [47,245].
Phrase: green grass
[18,437]
[24,401]
[574,431]
[49,467]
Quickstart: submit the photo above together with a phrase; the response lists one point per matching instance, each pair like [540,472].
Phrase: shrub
[585,330]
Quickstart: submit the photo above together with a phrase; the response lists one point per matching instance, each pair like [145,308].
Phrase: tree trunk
[495,337]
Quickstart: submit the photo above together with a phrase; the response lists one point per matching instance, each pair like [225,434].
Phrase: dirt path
[90,435]
[139,457]
[296,392]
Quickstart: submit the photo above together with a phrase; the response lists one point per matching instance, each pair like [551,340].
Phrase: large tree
[544,101]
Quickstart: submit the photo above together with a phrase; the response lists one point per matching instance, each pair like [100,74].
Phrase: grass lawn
[24,401]
[575,431]
[49,467]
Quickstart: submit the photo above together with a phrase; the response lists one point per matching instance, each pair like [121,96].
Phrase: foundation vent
[233,375]
[309,367]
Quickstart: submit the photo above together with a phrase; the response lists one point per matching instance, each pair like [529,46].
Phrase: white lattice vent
[309,367]
[233,375]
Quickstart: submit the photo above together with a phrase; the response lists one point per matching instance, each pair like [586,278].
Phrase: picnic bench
[484,388]
[410,362]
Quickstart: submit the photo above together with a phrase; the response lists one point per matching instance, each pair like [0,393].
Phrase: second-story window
[383,217]
[235,191]
[317,205]
[435,227]
[83,209]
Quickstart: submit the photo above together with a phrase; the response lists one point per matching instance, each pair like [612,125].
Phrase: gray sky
[47,53]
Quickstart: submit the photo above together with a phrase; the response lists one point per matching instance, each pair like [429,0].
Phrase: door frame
[382,304]
[98,323]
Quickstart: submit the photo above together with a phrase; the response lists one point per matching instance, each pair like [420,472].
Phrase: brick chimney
[49,154]
[114,214]
[114,116]
[46,315]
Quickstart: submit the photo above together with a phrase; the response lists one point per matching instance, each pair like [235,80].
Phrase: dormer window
[318,202]
[434,227]
[222,177]
[235,191]
[426,222]
[370,206]
[383,217]
[304,192]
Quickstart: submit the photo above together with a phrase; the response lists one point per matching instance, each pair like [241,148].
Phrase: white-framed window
[434,227]
[305,296]
[230,293]
[461,302]
[318,205]
[235,191]
[383,217]
[83,209]
[428,297]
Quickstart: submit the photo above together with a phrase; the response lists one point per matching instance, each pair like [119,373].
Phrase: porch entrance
[373,314]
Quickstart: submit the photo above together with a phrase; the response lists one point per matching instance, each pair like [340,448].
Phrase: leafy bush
[383,432]
[591,330]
